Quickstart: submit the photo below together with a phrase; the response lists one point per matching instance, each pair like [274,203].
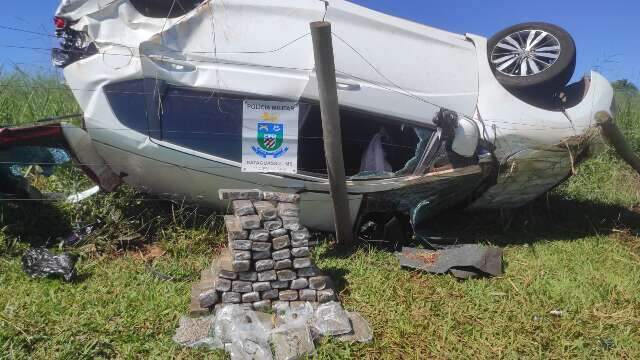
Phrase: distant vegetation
[625,86]
[25,98]
[579,261]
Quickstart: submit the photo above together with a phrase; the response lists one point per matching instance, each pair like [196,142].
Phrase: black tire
[551,79]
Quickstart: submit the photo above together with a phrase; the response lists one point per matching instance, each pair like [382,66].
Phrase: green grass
[422,316]
[119,309]
[27,98]
[575,252]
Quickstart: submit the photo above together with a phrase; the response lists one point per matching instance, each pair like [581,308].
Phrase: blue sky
[606,32]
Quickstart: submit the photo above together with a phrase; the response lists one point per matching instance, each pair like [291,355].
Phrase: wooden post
[612,133]
[331,131]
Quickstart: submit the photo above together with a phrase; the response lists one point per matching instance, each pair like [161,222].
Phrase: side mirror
[467,136]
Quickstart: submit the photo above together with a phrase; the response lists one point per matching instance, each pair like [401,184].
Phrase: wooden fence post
[331,131]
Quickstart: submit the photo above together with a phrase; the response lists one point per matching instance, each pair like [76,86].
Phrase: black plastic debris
[462,261]
[78,236]
[40,262]
[608,344]
[383,230]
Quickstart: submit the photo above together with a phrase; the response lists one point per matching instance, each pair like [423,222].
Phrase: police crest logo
[270,140]
[270,136]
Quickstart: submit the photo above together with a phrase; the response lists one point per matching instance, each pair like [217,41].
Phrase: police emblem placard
[270,136]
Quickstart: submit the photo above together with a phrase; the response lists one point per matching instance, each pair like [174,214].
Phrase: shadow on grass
[338,276]
[125,221]
[34,222]
[550,218]
[82,277]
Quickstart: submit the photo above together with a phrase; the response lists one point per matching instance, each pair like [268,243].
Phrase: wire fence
[388,83]
[495,126]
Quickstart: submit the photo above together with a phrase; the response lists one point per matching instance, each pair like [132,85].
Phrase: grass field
[25,98]
[575,251]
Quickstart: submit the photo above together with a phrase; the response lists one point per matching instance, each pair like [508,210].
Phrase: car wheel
[533,56]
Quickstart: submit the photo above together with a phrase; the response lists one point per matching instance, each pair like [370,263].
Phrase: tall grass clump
[28,97]
[605,178]
[628,117]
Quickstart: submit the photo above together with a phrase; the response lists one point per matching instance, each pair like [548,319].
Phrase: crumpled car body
[162,100]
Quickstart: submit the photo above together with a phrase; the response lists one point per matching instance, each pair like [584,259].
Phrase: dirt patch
[148,253]
[628,239]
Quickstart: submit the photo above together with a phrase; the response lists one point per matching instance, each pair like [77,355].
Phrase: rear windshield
[165,8]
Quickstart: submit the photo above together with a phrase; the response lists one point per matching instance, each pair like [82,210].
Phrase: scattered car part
[78,236]
[81,196]
[533,56]
[40,262]
[16,164]
[81,147]
[461,261]
[73,44]
[47,144]
[614,136]
[385,230]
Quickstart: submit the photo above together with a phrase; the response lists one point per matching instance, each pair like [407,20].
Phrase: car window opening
[165,8]
[373,146]
[211,123]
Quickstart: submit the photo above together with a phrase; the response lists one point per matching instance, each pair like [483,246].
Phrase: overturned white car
[430,119]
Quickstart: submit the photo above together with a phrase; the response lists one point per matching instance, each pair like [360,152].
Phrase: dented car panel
[527,174]
[154,78]
[536,149]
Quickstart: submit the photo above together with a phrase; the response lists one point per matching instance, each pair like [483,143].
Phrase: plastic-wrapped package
[251,337]
[39,262]
[243,333]
[250,347]
[226,321]
[291,343]
[295,315]
[294,336]
[235,351]
[331,319]
[196,333]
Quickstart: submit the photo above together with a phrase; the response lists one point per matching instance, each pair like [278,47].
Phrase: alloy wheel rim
[526,53]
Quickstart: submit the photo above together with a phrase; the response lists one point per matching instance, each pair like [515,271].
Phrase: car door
[398,68]
[240,46]
[199,70]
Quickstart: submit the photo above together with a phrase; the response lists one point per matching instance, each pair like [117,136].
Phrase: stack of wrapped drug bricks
[267,262]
